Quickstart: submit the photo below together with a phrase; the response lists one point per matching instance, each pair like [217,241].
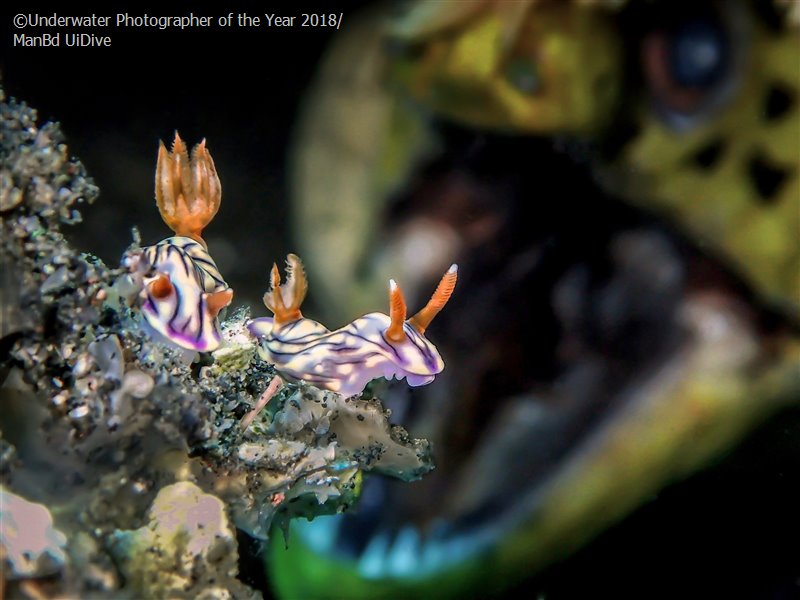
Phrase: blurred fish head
[504,65]
[712,146]
[657,92]
[624,313]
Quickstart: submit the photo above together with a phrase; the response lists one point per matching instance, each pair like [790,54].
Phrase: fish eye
[697,54]
[688,66]
[522,74]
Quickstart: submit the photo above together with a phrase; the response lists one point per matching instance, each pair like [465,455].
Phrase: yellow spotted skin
[501,65]
[556,67]
[720,205]
[552,68]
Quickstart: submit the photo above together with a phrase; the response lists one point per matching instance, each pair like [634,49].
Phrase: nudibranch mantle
[183,315]
[345,360]
[184,291]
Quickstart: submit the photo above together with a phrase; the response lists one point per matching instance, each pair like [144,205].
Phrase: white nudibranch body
[183,315]
[183,290]
[345,360]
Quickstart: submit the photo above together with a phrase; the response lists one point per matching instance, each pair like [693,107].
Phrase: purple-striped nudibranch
[345,360]
[184,291]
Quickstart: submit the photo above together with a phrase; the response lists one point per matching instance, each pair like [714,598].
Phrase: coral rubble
[31,545]
[187,547]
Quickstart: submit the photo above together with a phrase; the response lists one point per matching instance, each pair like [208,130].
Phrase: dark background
[240,88]
[731,531]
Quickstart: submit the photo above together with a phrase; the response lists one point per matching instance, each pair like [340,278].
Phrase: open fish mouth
[574,348]
[595,352]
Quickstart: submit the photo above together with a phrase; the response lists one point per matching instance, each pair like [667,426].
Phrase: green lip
[299,572]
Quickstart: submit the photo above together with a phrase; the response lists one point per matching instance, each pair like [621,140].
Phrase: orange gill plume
[296,282]
[285,302]
[188,191]
[444,290]
[273,299]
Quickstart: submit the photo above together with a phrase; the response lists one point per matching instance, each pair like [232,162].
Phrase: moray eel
[634,330]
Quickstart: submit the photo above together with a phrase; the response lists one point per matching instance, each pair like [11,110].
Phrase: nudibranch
[184,290]
[345,360]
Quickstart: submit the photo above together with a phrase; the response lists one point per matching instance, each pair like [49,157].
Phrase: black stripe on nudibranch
[348,349]
[288,327]
[186,324]
[176,312]
[206,262]
[200,318]
[423,349]
[192,256]
[325,340]
[347,360]
[298,341]
[391,347]
[284,333]
[181,256]
[304,350]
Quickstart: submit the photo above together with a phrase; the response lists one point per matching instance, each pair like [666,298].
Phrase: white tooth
[402,559]
[319,534]
[456,550]
[431,556]
[433,553]
[373,559]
